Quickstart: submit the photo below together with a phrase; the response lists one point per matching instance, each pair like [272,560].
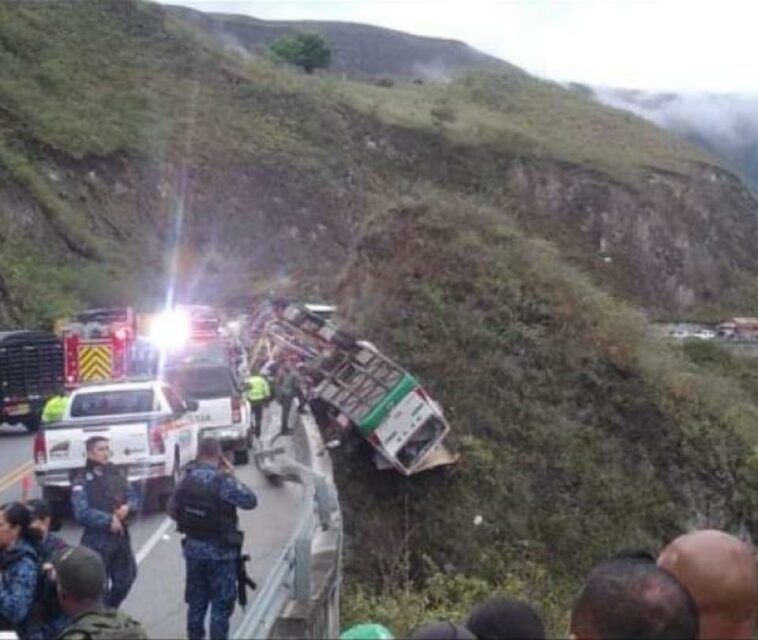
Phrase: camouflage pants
[214,583]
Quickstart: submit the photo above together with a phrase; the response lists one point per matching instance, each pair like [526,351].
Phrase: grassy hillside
[111,135]
[492,234]
[580,435]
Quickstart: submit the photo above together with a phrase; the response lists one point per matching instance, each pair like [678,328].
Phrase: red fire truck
[97,345]
[110,344]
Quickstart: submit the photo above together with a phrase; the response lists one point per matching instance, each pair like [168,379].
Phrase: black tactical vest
[200,511]
[106,487]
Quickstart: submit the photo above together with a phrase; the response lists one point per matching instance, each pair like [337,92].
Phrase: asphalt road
[157,598]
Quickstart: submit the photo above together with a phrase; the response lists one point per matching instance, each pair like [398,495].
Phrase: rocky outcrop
[672,236]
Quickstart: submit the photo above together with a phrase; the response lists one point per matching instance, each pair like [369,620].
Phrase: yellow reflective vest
[54,409]
[259,389]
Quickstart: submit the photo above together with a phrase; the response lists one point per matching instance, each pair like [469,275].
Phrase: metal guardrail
[276,591]
[290,578]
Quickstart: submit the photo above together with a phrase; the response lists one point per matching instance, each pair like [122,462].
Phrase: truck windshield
[108,403]
[202,384]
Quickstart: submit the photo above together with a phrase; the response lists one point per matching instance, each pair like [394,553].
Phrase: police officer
[18,567]
[289,387]
[258,394]
[46,619]
[54,408]
[204,506]
[103,500]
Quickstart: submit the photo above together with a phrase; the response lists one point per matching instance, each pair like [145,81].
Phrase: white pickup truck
[152,431]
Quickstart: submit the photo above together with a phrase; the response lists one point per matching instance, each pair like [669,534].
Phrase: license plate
[17,409]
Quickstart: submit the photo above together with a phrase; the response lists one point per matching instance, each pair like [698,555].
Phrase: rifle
[244,582]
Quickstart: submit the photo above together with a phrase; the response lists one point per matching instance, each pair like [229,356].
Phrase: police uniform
[205,509]
[54,409]
[258,394]
[97,492]
[18,586]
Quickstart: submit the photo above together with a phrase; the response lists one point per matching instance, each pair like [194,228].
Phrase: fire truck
[111,344]
[97,345]
[385,403]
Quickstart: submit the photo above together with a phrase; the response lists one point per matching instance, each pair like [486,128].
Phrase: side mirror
[191,405]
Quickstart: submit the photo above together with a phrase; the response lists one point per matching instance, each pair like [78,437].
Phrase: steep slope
[579,435]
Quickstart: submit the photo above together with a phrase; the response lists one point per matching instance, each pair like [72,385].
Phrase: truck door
[184,433]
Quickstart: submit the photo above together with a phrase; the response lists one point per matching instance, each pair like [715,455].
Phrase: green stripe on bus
[374,417]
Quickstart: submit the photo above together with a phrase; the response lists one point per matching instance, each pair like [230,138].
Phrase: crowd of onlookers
[702,585]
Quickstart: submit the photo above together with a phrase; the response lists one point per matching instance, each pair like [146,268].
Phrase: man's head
[719,571]
[209,450]
[41,516]
[98,449]
[81,579]
[499,618]
[630,598]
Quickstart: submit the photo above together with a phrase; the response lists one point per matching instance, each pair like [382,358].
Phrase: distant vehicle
[152,431]
[31,371]
[704,334]
[679,334]
[222,408]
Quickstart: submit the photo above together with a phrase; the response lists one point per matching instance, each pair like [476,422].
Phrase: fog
[726,124]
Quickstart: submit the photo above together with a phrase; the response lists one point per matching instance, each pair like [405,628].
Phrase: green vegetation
[309,51]
[579,434]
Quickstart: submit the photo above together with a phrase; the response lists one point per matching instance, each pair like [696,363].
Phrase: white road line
[154,539]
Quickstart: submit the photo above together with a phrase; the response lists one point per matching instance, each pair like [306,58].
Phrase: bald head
[719,572]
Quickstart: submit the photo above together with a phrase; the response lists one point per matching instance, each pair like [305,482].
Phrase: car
[151,428]
[222,410]
[704,334]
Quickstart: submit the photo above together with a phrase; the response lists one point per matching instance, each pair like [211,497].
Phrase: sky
[662,45]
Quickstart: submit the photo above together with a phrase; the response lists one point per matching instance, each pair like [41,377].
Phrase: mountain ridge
[354,45]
